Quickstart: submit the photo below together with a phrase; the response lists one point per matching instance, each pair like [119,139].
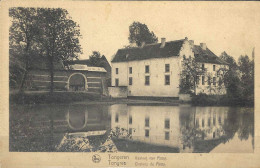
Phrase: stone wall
[185,97]
[40,80]
[118,92]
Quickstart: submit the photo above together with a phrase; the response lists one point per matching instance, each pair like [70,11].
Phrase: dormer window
[214,67]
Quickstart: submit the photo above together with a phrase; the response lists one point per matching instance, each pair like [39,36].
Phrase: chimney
[142,44]
[191,43]
[163,40]
[203,46]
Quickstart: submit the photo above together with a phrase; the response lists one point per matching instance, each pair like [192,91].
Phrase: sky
[229,27]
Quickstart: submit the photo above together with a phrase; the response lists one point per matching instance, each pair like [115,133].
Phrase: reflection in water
[77,117]
[189,129]
[131,128]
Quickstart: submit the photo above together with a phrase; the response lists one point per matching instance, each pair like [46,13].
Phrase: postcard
[129,84]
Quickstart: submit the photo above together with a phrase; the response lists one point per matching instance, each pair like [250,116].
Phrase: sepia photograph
[128,77]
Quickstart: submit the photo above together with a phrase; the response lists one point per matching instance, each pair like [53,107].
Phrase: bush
[220,100]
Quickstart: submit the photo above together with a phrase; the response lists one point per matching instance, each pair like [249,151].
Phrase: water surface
[131,128]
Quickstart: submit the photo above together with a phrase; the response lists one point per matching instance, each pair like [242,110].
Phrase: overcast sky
[222,26]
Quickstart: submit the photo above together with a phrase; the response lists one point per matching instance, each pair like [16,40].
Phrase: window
[147,70]
[130,131]
[219,120]
[209,122]
[167,123]
[197,122]
[117,118]
[214,67]
[146,133]
[197,80]
[147,122]
[130,80]
[130,119]
[167,67]
[130,70]
[209,82]
[167,136]
[117,82]
[214,120]
[203,80]
[202,122]
[203,67]
[147,80]
[116,70]
[214,81]
[167,79]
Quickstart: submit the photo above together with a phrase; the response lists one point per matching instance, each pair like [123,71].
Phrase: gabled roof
[206,56]
[81,67]
[105,64]
[171,48]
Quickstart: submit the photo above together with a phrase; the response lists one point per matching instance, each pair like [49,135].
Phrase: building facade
[78,78]
[154,70]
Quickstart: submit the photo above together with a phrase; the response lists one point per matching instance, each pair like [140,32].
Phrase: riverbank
[220,100]
[96,98]
[86,98]
[51,98]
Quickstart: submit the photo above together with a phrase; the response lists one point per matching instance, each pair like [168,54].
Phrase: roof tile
[149,51]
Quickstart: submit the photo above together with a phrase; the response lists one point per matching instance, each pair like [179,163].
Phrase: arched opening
[77,82]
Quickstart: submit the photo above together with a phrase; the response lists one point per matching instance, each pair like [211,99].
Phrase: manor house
[153,70]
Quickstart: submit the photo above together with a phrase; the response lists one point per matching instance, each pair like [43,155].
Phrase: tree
[96,59]
[231,78]
[191,70]
[59,36]
[22,35]
[229,59]
[139,32]
[246,68]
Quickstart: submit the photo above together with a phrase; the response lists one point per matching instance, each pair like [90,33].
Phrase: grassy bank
[220,100]
[79,97]
[56,97]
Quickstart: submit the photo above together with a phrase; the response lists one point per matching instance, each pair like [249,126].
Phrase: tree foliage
[191,69]
[239,79]
[22,34]
[192,72]
[96,59]
[246,68]
[59,36]
[139,32]
[48,33]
